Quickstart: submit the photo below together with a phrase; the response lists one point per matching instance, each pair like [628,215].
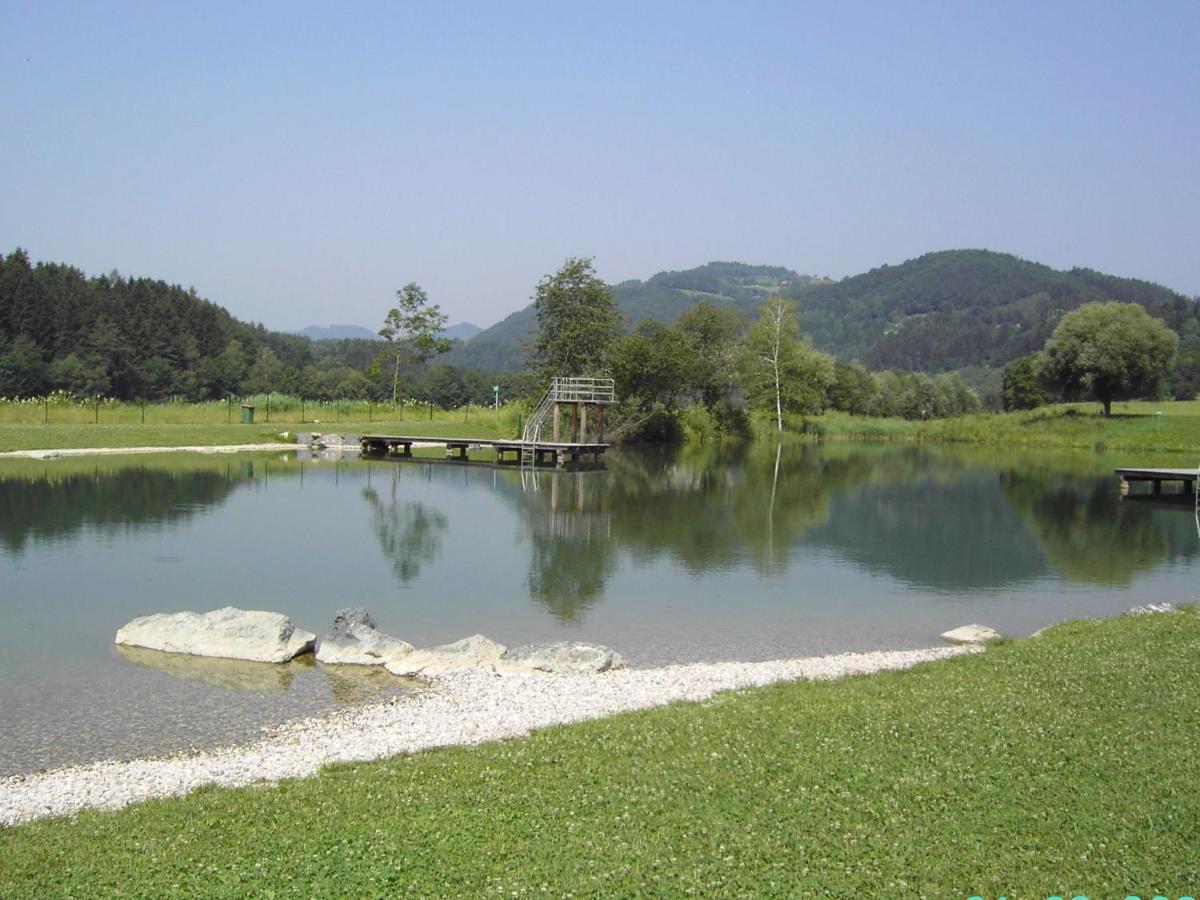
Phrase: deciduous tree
[780,370]
[1112,351]
[413,326]
[577,322]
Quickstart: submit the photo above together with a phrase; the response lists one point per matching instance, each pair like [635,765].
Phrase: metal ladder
[535,423]
[562,390]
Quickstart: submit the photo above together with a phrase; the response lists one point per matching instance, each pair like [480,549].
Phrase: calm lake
[695,553]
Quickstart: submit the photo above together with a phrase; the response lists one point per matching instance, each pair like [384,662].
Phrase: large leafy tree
[413,327]
[577,322]
[1022,386]
[1112,351]
[780,370]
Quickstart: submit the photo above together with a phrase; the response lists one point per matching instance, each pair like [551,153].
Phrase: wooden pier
[1157,478]
[579,398]
[538,453]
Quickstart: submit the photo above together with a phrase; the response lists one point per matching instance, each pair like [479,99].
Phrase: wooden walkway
[1157,477]
[542,452]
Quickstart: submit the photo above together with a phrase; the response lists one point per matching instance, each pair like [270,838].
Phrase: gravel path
[108,451]
[464,708]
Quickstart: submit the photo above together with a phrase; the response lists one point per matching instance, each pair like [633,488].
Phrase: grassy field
[1133,426]
[1060,765]
[473,422]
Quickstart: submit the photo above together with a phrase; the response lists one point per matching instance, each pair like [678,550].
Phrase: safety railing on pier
[563,390]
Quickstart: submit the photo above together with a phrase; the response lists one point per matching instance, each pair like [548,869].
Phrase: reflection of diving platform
[542,452]
[1157,478]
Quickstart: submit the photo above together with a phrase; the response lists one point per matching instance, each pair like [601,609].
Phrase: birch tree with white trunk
[781,371]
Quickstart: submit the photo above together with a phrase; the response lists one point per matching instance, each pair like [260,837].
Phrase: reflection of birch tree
[409,532]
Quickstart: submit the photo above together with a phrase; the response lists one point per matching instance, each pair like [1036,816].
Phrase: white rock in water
[356,640]
[1150,609]
[474,652]
[971,634]
[564,656]
[228,633]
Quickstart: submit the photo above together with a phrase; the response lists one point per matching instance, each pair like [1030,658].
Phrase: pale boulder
[565,656]
[356,640]
[1151,609]
[971,634]
[227,633]
[474,652]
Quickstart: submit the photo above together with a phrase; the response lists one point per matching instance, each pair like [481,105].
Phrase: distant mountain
[338,333]
[663,298]
[961,308]
[462,331]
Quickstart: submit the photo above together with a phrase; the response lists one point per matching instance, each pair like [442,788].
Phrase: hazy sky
[297,163]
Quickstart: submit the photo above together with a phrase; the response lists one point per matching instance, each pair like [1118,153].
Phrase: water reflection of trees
[565,518]
[60,502]
[410,532]
[715,506]
[1085,538]
[944,518]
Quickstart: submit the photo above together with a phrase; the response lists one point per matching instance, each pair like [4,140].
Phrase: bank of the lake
[1133,426]
[22,436]
[1065,762]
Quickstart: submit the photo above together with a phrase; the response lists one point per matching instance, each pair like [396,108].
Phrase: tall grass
[1138,425]
[64,409]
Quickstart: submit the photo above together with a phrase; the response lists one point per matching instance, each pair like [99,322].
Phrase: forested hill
[114,336]
[663,298]
[961,308]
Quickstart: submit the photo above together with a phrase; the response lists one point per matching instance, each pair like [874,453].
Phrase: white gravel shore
[464,708]
[111,451]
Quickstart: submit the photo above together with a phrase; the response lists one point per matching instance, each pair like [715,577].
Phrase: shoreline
[118,451]
[464,708]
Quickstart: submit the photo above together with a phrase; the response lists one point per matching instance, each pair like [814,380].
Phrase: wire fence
[61,408]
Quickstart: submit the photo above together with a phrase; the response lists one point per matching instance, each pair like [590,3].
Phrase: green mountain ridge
[662,298]
[943,311]
[958,308]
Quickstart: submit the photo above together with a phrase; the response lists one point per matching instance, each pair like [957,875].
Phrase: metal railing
[564,390]
[583,390]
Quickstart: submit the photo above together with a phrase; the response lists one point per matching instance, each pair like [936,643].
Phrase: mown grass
[1133,426]
[52,436]
[1060,765]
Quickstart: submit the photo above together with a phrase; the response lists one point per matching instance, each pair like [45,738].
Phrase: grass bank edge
[912,782]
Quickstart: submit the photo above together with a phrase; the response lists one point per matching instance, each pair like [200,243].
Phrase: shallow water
[701,553]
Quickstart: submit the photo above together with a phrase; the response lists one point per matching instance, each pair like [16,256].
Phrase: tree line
[141,338]
[715,364]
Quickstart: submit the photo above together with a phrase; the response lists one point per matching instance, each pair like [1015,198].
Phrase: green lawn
[1066,764]
[52,436]
[1133,426]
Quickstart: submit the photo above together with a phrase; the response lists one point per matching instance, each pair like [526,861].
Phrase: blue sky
[297,163]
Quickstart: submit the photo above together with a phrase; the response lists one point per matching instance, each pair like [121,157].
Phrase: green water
[698,553]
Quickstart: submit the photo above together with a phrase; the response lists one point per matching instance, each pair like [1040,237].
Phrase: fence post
[45,410]
[301,410]
[143,412]
[229,410]
[268,407]
[97,410]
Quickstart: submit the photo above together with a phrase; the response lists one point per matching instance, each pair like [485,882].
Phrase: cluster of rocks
[354,639]
[468,708]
